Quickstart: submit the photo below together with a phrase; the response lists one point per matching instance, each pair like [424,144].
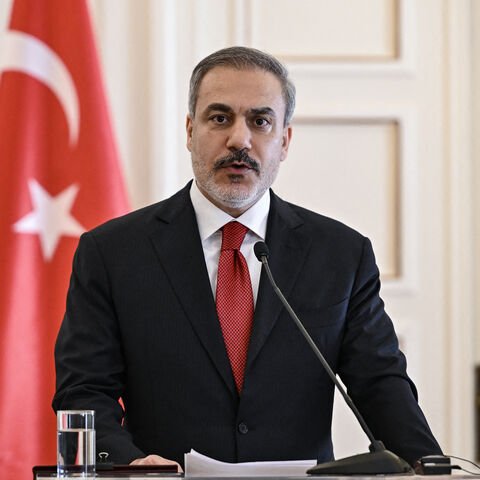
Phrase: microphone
[379,460]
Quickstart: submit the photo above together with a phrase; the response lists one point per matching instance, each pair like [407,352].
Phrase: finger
[156,460]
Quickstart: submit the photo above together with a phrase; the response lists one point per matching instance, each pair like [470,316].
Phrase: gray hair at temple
[243,58]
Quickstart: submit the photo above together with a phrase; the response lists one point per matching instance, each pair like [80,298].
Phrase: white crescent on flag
[25,53]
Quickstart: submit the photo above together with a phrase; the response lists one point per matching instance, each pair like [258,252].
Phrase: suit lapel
[178,246]
[288,247]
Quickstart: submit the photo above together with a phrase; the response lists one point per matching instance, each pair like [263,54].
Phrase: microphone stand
[379,460]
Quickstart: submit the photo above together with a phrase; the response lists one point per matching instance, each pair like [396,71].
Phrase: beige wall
[476,160]
[385,138]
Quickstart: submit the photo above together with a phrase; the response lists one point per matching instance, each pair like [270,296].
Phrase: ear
[287,136]
[189,128]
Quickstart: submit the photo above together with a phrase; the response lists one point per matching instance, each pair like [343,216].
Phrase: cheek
[201,152]
[273,148]
[208,146]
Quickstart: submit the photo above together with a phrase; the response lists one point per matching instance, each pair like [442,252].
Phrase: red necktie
[234,299]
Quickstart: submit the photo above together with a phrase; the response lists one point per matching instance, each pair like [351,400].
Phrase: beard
[235,194]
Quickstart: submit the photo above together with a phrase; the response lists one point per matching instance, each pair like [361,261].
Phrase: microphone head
[261,250]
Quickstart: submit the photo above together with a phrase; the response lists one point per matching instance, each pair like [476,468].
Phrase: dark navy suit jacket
[141,324]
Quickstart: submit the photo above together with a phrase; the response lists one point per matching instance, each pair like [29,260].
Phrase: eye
[219,119]
[261,122]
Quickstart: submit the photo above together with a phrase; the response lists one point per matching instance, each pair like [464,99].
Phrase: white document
[198,465]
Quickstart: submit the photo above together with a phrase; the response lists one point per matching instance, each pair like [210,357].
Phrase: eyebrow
[218,107]
[263,111]
[221,107]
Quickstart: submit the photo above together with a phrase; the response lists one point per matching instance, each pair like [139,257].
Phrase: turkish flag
[59,176]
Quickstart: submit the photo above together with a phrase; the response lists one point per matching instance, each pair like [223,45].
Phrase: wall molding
[404,62]
[459,278]
[405,280]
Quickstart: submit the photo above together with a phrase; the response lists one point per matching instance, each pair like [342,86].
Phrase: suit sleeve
[90,370]
[374,370]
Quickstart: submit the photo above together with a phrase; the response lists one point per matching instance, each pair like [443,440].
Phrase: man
[186,329]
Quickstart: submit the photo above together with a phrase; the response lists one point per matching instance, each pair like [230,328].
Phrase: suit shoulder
[324,226]
[143,219]
[127,222]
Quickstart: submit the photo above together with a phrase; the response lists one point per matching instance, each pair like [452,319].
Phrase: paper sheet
[198,465]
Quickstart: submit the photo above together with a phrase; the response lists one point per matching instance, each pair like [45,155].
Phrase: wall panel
[349,171]
[316,30]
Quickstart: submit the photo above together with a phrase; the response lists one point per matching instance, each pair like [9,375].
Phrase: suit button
[242,428]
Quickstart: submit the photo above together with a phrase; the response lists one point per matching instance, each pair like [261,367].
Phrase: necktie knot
[233,234]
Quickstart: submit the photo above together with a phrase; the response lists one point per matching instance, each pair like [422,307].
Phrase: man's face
[237,139]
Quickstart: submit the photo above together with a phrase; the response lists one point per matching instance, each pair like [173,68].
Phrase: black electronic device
[435,465]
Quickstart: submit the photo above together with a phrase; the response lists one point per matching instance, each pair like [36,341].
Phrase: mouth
[238,167]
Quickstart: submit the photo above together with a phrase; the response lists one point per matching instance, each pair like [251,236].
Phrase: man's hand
[155,460]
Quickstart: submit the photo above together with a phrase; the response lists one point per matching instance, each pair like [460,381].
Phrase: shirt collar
[210,218]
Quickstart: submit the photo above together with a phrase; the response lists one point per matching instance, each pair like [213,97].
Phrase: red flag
[59,176]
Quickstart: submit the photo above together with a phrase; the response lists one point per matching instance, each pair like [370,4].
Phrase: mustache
[239,156]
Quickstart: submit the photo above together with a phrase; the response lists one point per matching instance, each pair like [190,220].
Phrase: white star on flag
[50,218]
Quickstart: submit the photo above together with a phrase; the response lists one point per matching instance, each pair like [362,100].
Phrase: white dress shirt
[211,219]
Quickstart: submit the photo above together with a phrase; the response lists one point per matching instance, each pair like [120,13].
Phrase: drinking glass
[76,443]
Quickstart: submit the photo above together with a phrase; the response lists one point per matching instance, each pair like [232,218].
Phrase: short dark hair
[243,58]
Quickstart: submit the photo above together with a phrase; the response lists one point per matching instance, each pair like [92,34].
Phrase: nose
[239,136]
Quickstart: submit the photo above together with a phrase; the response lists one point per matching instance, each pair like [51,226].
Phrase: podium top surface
[170,476]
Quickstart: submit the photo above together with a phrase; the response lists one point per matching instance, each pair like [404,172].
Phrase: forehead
[240,89]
